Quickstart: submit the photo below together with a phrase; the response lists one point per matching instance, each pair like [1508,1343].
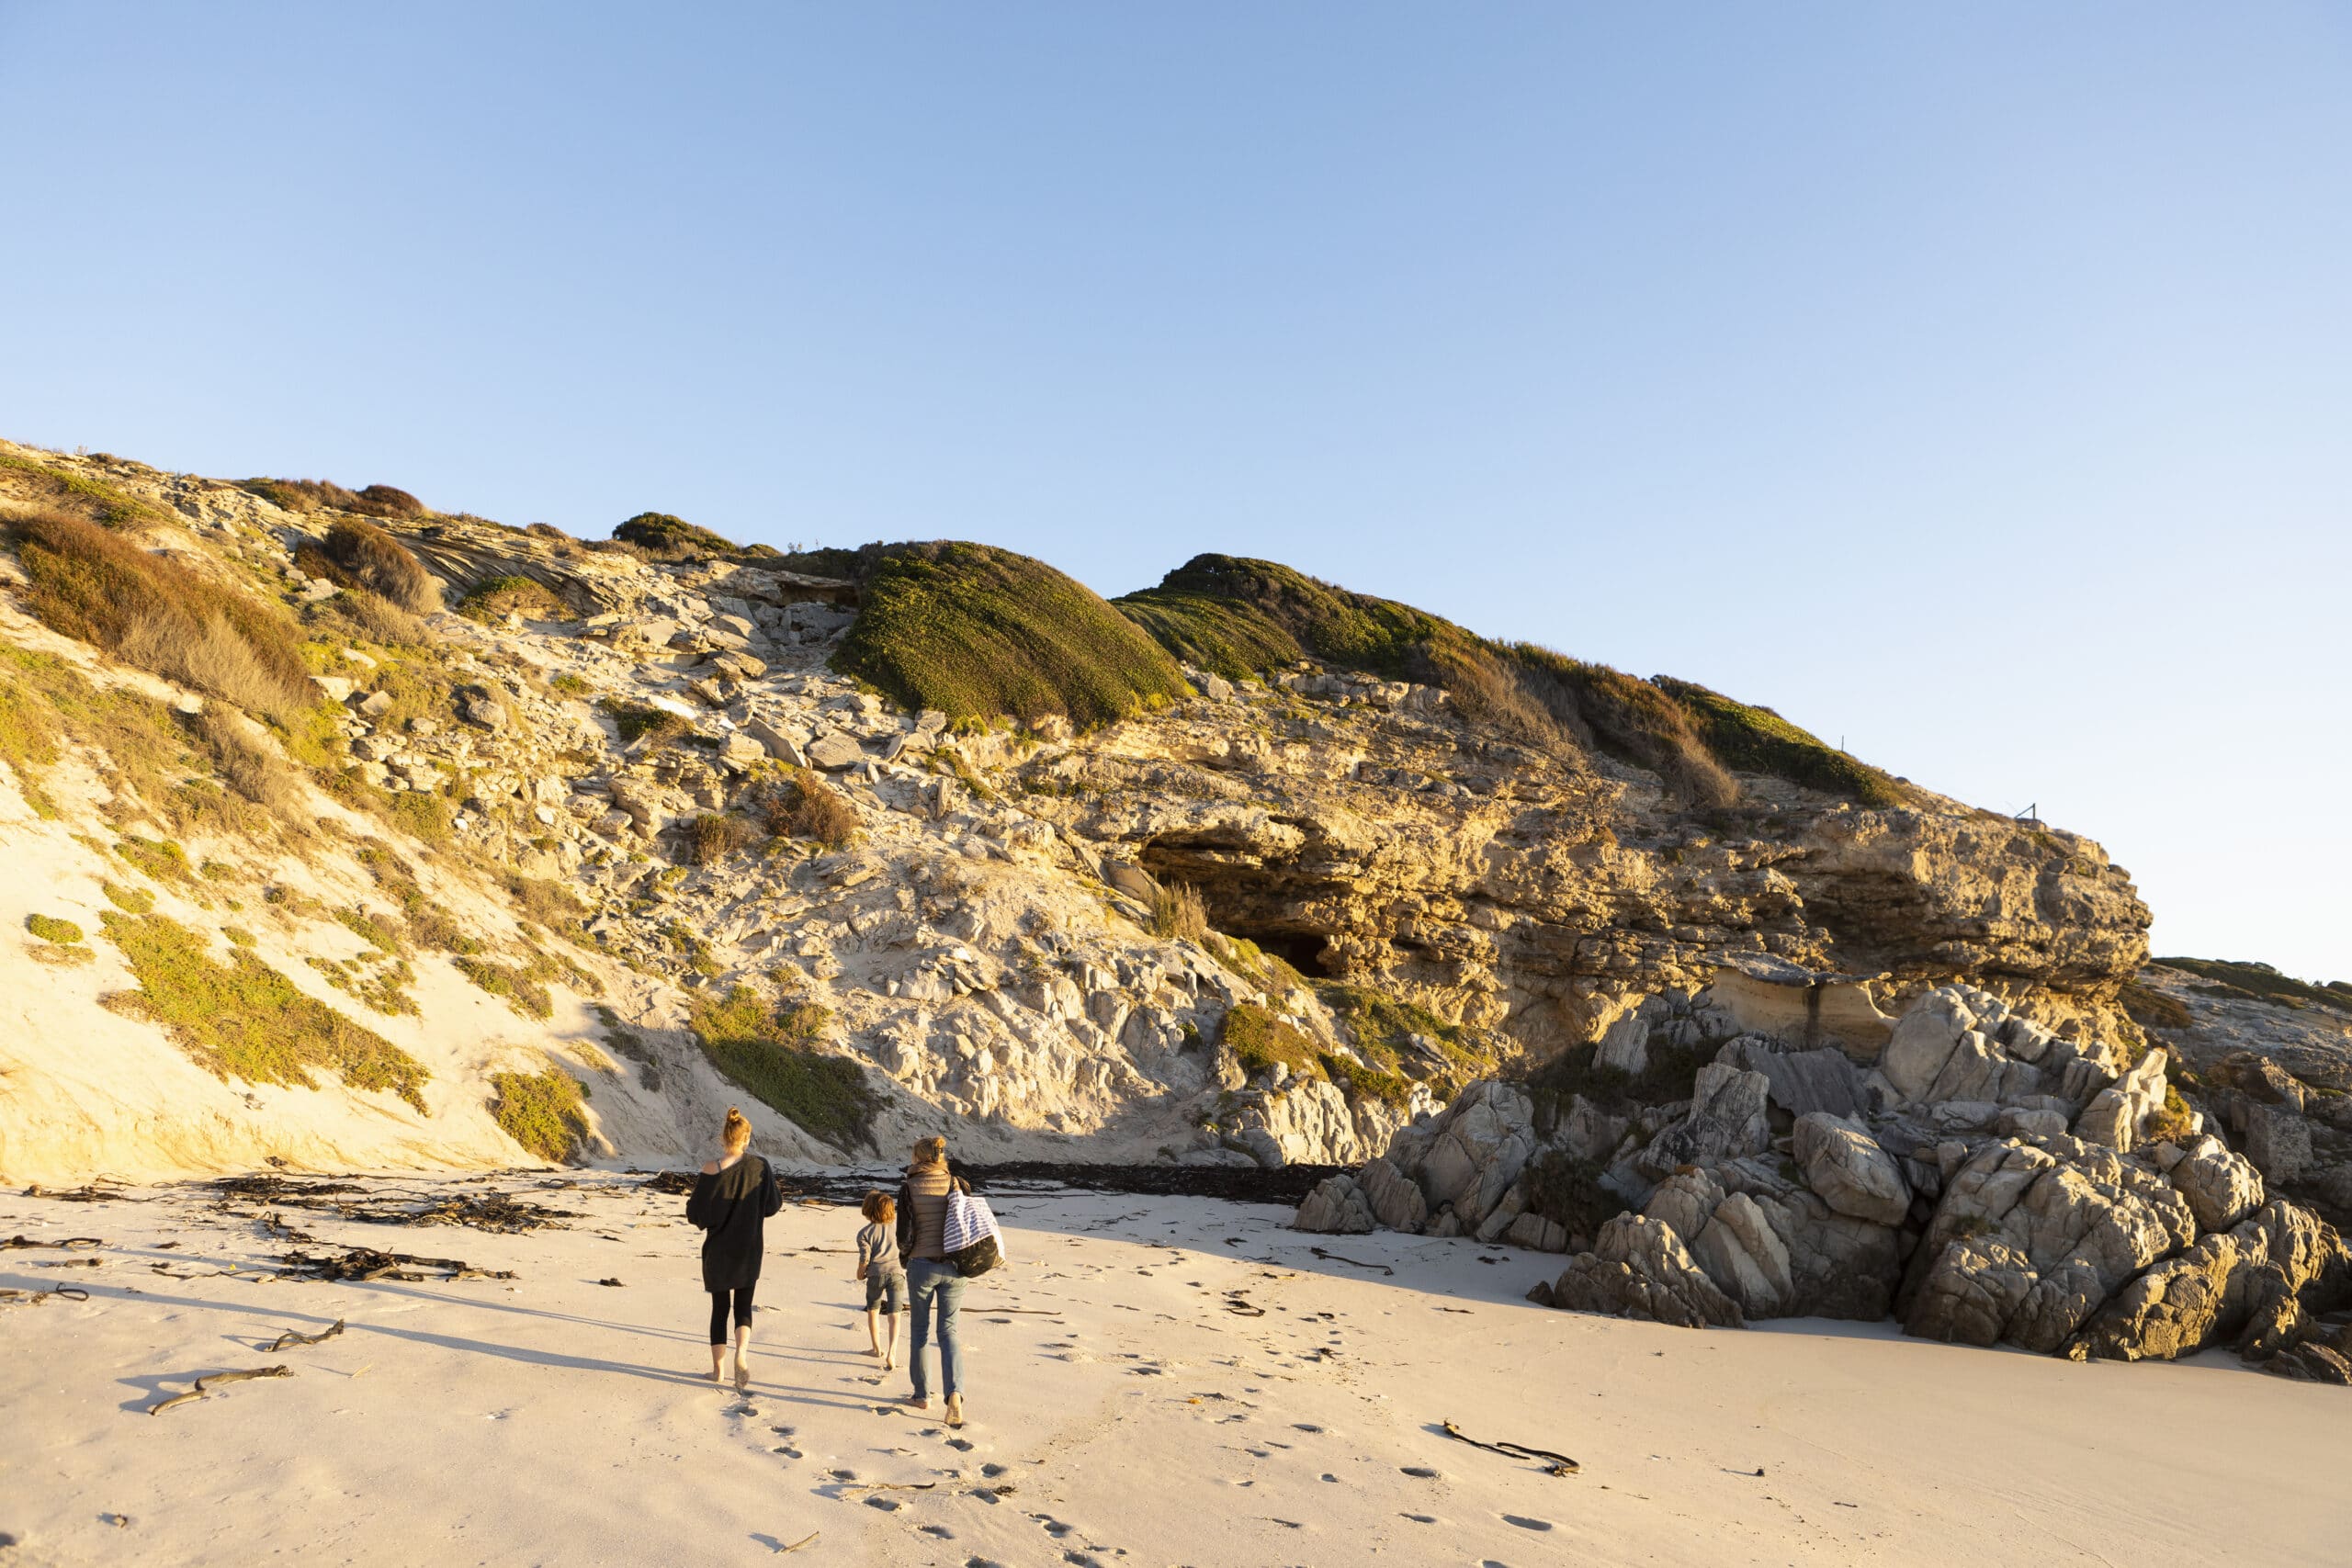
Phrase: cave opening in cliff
[1302,951]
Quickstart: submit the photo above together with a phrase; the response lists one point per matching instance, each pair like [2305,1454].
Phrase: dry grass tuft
[715,835]
[806,807]
[1176,913]
[156,612]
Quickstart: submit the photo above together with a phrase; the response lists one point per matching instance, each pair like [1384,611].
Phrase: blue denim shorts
[886,1291]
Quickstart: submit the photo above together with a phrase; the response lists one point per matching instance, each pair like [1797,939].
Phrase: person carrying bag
[927,1199]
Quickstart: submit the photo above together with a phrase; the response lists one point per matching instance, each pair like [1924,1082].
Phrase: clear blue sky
[1973,383]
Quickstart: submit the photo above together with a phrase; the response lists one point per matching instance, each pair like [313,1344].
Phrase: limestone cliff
[618,816]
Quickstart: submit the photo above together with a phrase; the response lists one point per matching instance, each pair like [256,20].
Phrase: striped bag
[969,1237]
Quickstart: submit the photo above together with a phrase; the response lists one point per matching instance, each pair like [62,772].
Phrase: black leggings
[719,1312]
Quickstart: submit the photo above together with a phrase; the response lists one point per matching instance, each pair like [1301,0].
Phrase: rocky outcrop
[1979,1219]
[1639,1267]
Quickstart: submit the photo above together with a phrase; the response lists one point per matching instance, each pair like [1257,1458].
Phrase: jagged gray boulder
[1970,1293]
[2079,1218]
[1852,1174]
[1639,1267]
[1800,1082]
[1335,1207]
[1396,1199]
[2119,1113]
[1726,1118]
[1479,1145]
[2222,1188]
[2247,1280]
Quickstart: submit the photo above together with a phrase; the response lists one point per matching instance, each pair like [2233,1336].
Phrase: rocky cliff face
[621,821]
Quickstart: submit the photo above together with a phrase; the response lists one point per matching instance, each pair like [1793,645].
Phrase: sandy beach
[1154,1381]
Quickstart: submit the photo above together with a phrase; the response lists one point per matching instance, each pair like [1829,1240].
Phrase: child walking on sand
[884,1275]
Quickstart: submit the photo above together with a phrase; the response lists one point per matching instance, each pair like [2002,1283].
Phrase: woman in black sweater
[732,1199]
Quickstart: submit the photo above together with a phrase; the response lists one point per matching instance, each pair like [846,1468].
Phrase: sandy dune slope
[1129,1406]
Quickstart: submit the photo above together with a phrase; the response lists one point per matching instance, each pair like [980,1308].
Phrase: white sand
[555,1421]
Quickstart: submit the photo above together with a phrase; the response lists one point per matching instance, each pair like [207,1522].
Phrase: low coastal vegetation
[769,1047]
[545,1111]
[2260,982]
[243,1019]
[326,495]
[499,597]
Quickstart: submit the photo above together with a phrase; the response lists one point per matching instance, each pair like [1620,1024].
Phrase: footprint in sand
[888,1504]
[1420,1471]
[937,1532]
[961,1445]
[1419,1518]
[982,1562]
[1523,1522]
[993,1470]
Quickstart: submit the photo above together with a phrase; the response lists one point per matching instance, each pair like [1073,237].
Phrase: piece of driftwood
[69,1244]
[289,1338]
[1554,1464]
[93,1194]
[207,1384]
[1351,1262]
[34,1298]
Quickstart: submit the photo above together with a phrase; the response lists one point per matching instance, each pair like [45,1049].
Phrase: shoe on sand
[955,1409]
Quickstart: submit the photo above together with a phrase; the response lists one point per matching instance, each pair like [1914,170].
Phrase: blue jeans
[928,1278]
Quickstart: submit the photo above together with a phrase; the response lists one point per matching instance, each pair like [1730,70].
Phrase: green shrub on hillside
[977,632]
[543,1112]
[658,535]
[157,614]
[1759,740]
[244,1020]
[382,565]
[326,495]
[1241,618]
[769,1050]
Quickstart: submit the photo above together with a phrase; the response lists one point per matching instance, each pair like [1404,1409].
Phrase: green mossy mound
[980,633]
